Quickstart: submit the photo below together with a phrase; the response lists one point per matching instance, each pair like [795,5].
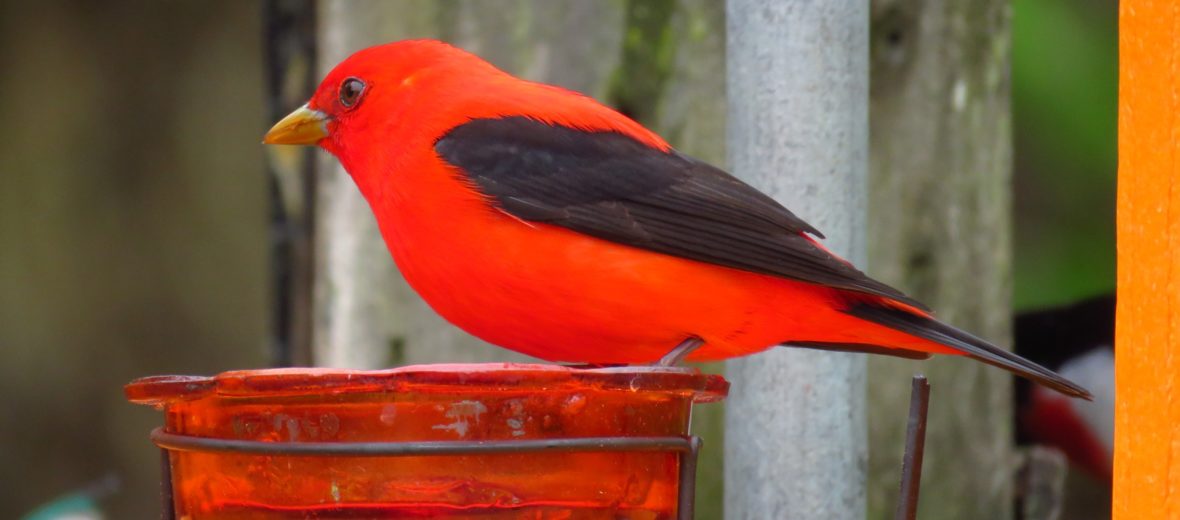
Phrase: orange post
[1147,369]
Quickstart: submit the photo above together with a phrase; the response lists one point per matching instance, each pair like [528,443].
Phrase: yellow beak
[303,126]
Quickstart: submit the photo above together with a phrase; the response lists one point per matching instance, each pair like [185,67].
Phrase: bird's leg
[676,355]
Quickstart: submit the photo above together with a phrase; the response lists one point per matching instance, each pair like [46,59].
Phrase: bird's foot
[676,355]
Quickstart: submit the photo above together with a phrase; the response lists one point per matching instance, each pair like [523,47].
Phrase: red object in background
[631,422]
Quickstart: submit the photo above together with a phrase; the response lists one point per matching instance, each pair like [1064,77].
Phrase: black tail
[970,345]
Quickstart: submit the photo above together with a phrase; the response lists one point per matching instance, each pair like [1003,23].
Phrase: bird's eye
[350,92]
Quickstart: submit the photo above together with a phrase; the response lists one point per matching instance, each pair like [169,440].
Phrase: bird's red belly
[559,295]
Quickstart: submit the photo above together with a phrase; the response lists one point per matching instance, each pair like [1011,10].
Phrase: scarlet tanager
[545,222]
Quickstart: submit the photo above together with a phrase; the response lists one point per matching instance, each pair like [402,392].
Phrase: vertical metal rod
[167,505]
[915,446]
[687,494]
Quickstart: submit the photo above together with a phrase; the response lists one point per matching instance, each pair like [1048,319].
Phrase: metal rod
[915,446]
[686,508]
[687,447]
[167,508]
[178,442]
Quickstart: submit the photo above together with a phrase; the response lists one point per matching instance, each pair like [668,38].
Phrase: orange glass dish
[443,441]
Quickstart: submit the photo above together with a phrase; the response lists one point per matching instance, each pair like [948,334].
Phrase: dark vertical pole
[915,447]
[167,506]
[289,43]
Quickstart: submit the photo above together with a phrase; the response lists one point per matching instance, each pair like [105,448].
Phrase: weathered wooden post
[798,130]
[1147,331]
[940,229]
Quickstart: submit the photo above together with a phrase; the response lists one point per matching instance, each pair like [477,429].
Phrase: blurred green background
[1065,110]
[133,212]
[132,229]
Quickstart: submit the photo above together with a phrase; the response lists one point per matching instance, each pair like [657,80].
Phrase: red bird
[545,222]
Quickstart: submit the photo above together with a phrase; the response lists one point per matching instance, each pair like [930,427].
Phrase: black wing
[611,186]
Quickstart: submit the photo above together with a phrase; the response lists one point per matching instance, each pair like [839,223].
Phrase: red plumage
[545,222]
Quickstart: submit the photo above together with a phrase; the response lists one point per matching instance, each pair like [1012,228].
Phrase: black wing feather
[967,343]
[611,186]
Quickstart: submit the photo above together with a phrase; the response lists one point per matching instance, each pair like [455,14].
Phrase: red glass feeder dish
[442,441]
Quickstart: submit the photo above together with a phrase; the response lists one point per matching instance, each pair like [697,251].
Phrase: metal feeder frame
[688,449]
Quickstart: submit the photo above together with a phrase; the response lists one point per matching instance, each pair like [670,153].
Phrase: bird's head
[368,90]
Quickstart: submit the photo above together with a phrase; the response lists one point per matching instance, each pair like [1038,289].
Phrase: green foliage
[1064,102]
[648,51]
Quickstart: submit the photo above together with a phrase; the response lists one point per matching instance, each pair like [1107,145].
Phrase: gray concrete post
[798,129]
